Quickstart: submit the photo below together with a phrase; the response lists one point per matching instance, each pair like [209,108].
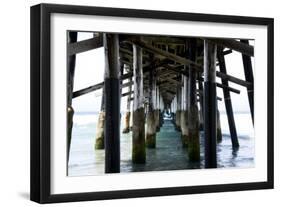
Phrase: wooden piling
[219,134]
[157,110]
[70,113]
[173,110]
[71,61]
[128,112]
[193,119]
[201,114]
[112,103]
[138,152]
[151,119]
[210,105]
[178,112]
[99,144]
[248,71]
[127,122]
[161,120]
[227,101]
[184,113]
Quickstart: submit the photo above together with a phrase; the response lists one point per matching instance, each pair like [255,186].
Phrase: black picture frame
[40,102]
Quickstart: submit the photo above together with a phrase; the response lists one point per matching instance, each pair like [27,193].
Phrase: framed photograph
[132,103]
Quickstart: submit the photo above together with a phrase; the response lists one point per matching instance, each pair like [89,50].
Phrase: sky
[90,68]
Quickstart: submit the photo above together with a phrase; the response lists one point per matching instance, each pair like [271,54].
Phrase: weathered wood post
[210,104]
[174,110]
[128,112]
[112,103]
[99,144]
[71,60]
[201,114]
[248,71]
[161,110]
[157,110]
[193,119]
[227,101]
[184,113]
[178,112]
[219,134]
[138,152]
[151,119]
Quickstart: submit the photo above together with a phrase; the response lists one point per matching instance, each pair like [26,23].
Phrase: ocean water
[169,155]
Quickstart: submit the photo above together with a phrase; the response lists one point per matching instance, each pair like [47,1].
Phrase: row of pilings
[153,88]
[149,113]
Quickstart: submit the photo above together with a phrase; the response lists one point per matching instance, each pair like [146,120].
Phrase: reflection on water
[168,155]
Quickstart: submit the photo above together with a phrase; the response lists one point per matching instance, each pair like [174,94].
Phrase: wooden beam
[176,69]
[127,93]
[201,94]
[122,60]
[228,103]
[130,83]
[93,88]
[188,62]
[164,40]
[84,45]
[99,86]
[245,49]
[226,52]
[167,80]
[233,79]
[230,89]
[171,80]
[168,91]
[221,75]
[166,54]
[129,54]
[87,90]
[218,99]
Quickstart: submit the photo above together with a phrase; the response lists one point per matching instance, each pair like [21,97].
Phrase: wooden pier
[173,75]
